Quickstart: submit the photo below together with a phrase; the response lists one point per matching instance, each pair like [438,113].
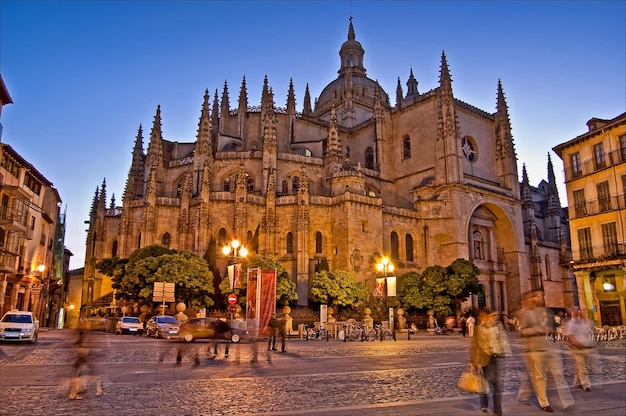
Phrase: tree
[337,287]
[134,277]
[438,288]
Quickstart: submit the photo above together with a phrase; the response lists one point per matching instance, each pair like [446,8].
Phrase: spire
[243,97]
[306,110]
[412,85]
[203,138]
[505,150]
[554,203]
[525,191]
[399,95]
[112,206]
[264,95]
[334,152]
[445,80]
[225,108]
[291,99]
[155,147]
[134,182]
[215,117]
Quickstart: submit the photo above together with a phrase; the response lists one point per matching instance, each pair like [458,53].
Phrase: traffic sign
[232,298]
[232,309]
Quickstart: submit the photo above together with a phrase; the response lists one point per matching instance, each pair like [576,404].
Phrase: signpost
[232,298]
[163,292]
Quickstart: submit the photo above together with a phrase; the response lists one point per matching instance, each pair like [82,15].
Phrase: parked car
[162,326]
[19,326]
[129,325]
[209,328]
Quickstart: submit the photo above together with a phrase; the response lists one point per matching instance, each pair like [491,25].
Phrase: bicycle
[384,334]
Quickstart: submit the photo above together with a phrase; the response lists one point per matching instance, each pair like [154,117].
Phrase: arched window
[249,237]
[179,189]
[289,243]
[479,245]
[221,238]
[295,184]
[548,271]
[226,186]
[166,239]
[285,188]
[369,158]
[409,247]
[250,184]
[139,241]
[114,249]
[395,253]
[318,242]
[406,148]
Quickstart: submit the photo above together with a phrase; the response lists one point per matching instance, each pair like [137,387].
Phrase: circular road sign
[232,298]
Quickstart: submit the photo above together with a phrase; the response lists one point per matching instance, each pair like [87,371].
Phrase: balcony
[591,166]
[599,253]
[598,206]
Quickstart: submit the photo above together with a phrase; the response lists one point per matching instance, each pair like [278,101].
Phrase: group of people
[490,344]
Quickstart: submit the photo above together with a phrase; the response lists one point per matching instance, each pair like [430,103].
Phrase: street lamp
[236,250]
[386,266]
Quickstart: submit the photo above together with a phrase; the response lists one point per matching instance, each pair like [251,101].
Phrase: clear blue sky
[84,74]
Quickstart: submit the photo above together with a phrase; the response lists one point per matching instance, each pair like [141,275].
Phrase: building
[425,181]
[32,232]
[29,210]
[595,179]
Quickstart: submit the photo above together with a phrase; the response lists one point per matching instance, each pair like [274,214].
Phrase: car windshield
[18,318]
[167,320]
[130,319]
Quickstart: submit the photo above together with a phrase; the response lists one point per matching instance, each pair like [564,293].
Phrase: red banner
[260,299]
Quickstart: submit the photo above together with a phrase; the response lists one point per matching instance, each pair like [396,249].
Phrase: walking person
[83,369]
[273,331]
[579,335]
[489,345]
[282,329]
[471,322]
[464,326]
[541,355]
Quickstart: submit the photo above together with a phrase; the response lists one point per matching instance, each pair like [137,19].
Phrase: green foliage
[438,288]
[134,277]
[336,288]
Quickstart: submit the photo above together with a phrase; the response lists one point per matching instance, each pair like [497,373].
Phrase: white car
[129,325]
[19,326]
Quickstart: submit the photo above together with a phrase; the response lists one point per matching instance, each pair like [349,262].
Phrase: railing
[590,166]
[599,252]
[594,207]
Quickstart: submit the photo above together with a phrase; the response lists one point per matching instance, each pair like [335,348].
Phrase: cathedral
[424,181]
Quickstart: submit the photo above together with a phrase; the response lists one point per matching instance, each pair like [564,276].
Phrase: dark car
[162,326]
[209,328]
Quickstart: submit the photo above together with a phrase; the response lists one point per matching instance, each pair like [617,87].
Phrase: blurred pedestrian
[471,322]
[463,326]
[282,329]
[579,335]
[273,331]
[489,345]
[542,357]
[83,369]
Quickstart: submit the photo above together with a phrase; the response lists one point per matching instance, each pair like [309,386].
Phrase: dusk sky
[84,74]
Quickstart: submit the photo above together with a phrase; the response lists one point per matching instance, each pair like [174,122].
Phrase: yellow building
[595,179]
[425,181]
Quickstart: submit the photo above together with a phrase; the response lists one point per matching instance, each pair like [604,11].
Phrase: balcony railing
[590,166]
[598,206]
[599,252]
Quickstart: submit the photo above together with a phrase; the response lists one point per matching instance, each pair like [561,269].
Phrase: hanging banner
[379,291]
[251,307]
[391,286]
[234,276]
[267,299]
[260,299]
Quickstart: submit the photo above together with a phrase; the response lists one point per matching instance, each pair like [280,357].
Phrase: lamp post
[235,250]
[43,298]
[386,266]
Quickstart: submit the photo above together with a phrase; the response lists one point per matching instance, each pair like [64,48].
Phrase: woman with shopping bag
[489,345]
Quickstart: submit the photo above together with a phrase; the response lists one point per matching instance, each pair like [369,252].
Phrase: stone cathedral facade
[424,181]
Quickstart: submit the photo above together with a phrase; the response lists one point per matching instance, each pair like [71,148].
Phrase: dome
[363,92]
